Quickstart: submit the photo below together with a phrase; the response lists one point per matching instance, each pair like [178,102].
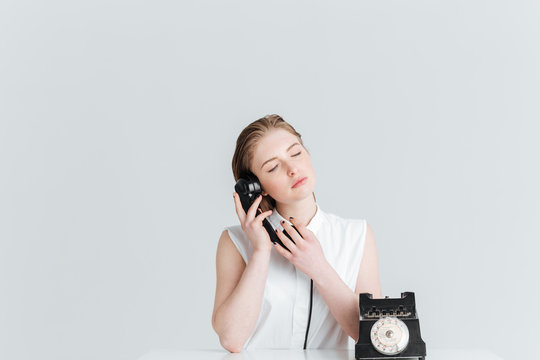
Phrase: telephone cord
[309,318]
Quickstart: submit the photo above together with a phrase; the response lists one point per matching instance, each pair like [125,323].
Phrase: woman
[268,297]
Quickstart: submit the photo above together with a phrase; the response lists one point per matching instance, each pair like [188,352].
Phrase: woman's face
[279,161]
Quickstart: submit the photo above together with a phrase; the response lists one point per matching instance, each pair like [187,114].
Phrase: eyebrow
[275,157]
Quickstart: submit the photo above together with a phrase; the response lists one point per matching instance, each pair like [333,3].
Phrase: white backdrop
[118,121]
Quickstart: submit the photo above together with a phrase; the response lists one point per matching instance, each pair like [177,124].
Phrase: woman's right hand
[252,224]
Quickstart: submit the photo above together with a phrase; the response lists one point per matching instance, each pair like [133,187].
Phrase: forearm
[341,300]
[235,319]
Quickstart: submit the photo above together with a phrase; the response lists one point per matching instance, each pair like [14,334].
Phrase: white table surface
[217,354]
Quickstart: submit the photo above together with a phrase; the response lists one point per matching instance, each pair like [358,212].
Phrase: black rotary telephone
[389,329]
[248,188]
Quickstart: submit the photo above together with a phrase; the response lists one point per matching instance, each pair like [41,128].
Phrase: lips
[300,181]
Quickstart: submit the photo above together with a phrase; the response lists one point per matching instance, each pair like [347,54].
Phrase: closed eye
[274,168]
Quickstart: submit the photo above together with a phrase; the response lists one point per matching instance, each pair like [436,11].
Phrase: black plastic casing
[248,190]
[364,349]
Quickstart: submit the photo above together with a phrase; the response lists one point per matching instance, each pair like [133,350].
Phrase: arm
[342,301]
[239,293]
[368,280]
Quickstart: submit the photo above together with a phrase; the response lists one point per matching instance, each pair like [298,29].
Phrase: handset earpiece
[248,188]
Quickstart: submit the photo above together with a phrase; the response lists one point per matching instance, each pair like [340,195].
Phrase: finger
[253,208]
[262,215]
[291,231]
[300,229]
[286,241]
[286,254]
[239,209]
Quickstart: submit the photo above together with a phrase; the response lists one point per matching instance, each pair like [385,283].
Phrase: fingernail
[276,230]
[283,221]
[291,218]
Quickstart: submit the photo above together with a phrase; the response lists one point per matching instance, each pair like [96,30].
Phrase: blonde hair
[245,148]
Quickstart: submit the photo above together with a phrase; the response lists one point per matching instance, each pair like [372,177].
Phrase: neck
[302,211]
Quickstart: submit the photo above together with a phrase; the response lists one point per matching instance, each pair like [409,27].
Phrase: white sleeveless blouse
[284,313]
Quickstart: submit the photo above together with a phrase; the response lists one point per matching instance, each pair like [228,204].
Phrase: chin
[303,191]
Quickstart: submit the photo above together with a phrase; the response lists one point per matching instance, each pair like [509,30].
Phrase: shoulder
[355,225]
[227,250]
[350,232]
[235,235]
[233,230]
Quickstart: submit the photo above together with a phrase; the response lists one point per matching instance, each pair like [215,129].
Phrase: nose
[291,169]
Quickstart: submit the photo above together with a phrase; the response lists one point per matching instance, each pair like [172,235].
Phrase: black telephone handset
[248,189]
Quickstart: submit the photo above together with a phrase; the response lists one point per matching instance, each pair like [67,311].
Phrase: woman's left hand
[305,253]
